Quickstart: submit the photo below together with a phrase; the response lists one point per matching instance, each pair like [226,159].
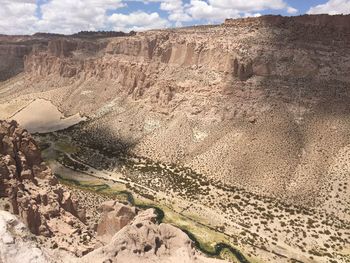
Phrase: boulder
[15,242]
[143,240]
[114,216]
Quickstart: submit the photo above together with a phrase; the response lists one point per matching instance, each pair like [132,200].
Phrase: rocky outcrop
[15,49]
[28,189]
[337,22]
[16,244]
[114,216]
[142,240]
[145,241]
[242,71]
[61,47]
[12,59]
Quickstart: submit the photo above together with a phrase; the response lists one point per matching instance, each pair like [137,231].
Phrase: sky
[71,16]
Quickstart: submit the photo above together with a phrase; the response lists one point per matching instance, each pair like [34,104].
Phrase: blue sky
[70,16]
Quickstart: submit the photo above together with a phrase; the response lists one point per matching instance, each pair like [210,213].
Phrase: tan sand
[42,116]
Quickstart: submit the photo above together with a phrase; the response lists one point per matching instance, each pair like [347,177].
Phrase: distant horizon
[27,17]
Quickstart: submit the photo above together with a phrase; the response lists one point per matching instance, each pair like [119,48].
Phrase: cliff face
[261,102]
[14,49]
[240,47]
[29,190]
[12,60]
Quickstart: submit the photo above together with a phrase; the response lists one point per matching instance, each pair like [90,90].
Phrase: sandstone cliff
[11,59]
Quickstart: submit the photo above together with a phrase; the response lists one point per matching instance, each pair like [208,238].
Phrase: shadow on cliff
[306,81]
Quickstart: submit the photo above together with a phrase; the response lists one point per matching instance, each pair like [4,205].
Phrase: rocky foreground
[41,221]
[29,190]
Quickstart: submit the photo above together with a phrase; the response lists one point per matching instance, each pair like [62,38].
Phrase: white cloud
[17,16]
[171,5]
[179,16]
[199,9]
[137,21]
[252,15]
[249,5]
[176,11]
[292,10]
[67,16]
[70,16]
[218,10]
[332,7]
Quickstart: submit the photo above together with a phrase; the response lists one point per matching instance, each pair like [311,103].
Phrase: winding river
[218,248]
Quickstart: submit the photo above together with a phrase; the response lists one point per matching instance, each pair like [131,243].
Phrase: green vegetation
[207,240]
[178,194]
[99,187]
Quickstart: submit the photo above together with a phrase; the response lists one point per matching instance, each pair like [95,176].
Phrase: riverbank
[164,215]
[260,227]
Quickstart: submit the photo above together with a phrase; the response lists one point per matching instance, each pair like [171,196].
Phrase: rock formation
[140,241]
[16,244]
[114,216]
[11,59]
[144,241]
[28,189]
[336,22]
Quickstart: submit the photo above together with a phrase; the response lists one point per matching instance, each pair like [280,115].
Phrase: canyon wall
[12,60]
[261,103]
